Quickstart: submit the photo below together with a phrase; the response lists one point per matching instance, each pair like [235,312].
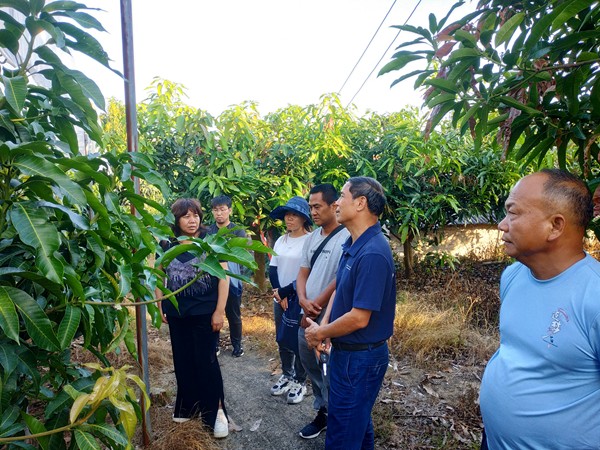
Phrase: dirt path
[267,422]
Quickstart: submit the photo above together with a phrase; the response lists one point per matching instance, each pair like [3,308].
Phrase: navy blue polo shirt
[366,279]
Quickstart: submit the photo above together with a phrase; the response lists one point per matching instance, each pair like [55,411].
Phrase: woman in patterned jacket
[195,325]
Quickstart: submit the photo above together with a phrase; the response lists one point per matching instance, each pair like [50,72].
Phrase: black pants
[199,381]
[234,318]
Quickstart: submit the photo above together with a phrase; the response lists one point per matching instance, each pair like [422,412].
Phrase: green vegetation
[526,71]
[72,254]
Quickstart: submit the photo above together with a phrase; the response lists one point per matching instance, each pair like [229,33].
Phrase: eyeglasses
[222,209]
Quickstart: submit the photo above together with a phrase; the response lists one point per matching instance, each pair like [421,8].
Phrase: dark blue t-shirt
[199,298]
[366,279]
[235,285]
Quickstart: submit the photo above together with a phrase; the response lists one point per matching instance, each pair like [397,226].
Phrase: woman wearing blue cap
[283,270]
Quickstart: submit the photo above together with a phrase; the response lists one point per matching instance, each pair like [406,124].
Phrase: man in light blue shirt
[541,389]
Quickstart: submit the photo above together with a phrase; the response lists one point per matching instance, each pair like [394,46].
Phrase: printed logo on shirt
[555,325]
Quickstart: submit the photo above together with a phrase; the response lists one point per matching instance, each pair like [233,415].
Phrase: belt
[355,347]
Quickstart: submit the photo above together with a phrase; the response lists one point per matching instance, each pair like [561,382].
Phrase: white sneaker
[296,393]
[221,425]
[282,386]
[181,419]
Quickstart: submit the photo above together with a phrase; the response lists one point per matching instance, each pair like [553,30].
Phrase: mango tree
[429,184]
[526,71]
[72,257]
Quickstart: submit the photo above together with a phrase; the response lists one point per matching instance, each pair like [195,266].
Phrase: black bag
[287,334]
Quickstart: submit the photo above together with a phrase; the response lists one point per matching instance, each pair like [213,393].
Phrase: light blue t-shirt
[541,389]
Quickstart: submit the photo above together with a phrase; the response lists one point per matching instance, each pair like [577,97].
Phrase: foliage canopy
[527,71]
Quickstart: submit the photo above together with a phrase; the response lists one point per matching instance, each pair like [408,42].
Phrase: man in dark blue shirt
[221,210]
[360,319]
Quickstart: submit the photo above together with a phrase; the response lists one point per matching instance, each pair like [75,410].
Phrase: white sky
[274,52]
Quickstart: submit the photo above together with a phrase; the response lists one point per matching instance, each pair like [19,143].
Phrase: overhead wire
[367,47]
[383,55]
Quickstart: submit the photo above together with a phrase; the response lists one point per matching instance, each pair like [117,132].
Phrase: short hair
[328,192]
[565,190]
[220,200]
[180,208]
[372,190]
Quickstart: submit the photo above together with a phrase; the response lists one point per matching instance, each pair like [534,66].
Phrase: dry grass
[259,327]
[189,435]
[421,329]
[426,332]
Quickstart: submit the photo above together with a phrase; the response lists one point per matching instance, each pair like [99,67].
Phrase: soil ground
[428,404]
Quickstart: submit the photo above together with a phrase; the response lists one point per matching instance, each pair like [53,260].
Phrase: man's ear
[557,223]
[361,203]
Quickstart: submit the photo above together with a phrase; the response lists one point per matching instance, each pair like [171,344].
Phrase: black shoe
[237,352]
[313,429]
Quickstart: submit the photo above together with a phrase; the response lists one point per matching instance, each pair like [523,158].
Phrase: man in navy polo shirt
[360,319]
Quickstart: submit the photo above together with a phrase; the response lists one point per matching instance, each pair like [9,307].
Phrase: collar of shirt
[353,248]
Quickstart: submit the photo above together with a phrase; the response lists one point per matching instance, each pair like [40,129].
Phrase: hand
[276,295]
[310,308]
[304,321]
[323,347]
[284,304]
[163,316]
[313,340]
[217,320]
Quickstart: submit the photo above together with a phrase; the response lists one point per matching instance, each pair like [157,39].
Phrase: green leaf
[443,84]
[9,40]
[441,98]
[8,359]
[68,326]
[84,19]
[84,43]
[112,434]
[116,341]
[7,421]
[15,91]
[85,441]
[37,323]
[34,230]
[595,98]
[54,288]
[539,28]
[507,30]
[510,101]
[79,221]
[125,274]
[35,427]
[20,5]
[35,165]
[398,63]
[9,320]
[64,5]
[568,10]
[57,34]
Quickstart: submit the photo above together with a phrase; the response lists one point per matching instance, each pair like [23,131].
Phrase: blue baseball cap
[296,205]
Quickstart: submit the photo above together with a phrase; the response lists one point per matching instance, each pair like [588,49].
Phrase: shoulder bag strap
[323,244]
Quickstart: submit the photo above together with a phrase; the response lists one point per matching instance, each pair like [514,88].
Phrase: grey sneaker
[282,386]
[296,393]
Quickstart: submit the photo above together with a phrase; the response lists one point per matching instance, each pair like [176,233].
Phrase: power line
[367,47]
[383,56]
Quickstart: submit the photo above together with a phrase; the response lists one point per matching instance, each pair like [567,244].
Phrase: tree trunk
[409,256]
[260,274]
